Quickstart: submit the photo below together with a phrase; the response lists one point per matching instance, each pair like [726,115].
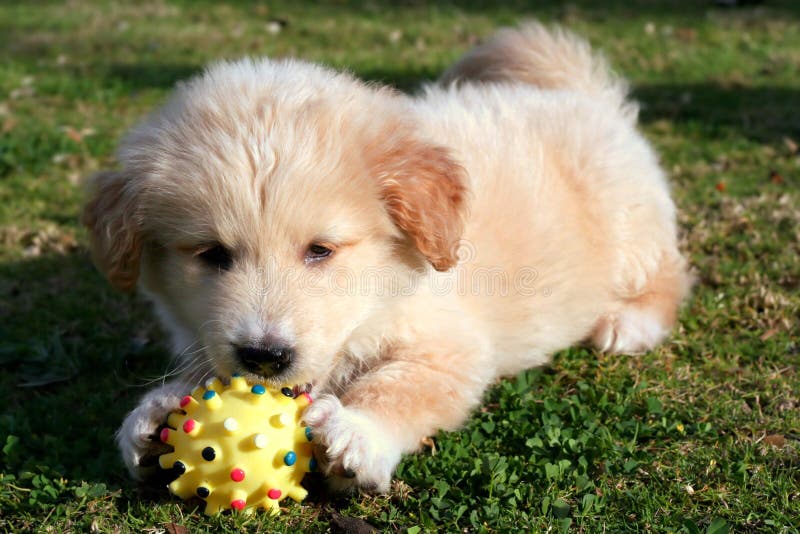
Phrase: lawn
[700,435]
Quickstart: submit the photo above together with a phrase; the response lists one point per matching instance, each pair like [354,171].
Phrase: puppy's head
[269,210]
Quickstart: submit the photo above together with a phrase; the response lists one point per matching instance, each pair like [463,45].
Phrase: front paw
[358,452]
[138,437]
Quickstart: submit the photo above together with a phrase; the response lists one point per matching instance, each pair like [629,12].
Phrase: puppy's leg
[642,321]
[135,437]
[389,410]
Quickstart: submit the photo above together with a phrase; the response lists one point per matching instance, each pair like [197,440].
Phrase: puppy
[398,253]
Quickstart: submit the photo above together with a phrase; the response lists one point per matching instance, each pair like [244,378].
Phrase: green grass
[699,435]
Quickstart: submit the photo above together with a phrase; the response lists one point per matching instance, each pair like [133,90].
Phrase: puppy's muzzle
[267,359]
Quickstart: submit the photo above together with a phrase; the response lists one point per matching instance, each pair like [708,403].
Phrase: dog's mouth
[279,380]
[284,378]
[276,382]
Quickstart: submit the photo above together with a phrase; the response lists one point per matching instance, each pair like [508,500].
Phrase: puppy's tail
[549,58]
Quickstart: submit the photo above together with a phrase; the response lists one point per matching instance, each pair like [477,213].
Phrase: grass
[700,435]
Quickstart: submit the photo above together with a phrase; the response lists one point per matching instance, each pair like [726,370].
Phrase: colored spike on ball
[242,447]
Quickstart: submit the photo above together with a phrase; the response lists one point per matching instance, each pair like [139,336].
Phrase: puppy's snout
[266,359]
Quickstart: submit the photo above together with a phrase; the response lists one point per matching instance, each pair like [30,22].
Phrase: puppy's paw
[632,331]
[138,440]
[358,452]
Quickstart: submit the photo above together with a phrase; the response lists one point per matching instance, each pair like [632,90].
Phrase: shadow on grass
[74,358]
[763,114]
[664,9]
[150,75]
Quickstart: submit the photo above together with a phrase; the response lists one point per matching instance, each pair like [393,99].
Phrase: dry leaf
[776,440]
[73,134]
[352,525]
[9,124]
[174,528]
[686,34]
[768,334]
[775,178]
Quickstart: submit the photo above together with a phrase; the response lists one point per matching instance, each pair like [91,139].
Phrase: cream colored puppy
[398,253]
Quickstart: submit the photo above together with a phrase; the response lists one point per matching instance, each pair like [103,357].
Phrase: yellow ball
[239,446]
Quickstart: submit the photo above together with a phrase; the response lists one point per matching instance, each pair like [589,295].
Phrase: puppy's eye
[217,256]
[317,252]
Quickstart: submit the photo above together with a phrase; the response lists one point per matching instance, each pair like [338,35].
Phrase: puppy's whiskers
[186,365]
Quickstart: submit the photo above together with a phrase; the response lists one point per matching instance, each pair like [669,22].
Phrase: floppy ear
[425,194]
[113,222]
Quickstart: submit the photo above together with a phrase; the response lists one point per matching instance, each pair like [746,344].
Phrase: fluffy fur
[507,212]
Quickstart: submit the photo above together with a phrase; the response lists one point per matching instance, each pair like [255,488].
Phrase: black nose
[265,360]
